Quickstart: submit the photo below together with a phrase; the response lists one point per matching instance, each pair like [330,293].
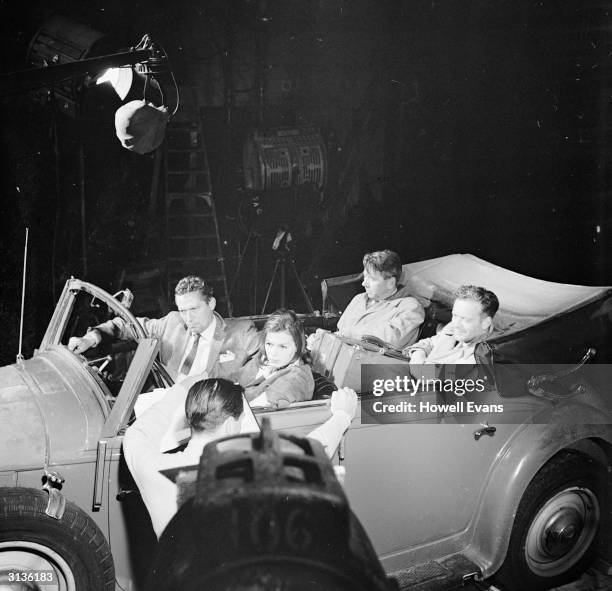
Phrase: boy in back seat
[385,310]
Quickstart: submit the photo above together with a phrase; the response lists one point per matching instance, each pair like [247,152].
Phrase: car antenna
[25,263]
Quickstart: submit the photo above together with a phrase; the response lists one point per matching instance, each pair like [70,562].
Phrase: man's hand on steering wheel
[81,344]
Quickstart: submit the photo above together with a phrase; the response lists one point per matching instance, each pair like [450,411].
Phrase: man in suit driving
[194,339]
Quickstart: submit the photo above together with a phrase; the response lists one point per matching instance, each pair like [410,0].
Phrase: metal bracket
[124,492]
[547,385]
[99,480]
[342,448]
[473,579]
[485,430]
[52,483]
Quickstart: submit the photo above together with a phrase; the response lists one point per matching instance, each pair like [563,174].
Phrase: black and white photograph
[306,295]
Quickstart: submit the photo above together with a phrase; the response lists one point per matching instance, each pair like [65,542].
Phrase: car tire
[73,547]
[557,524]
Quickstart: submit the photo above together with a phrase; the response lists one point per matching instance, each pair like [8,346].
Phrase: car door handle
[342,448]
[124,492]
[486,429]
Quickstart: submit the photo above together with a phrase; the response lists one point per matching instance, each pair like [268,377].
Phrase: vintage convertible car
[521,498]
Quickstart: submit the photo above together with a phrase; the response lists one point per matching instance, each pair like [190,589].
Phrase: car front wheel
[557,523]
[70,553]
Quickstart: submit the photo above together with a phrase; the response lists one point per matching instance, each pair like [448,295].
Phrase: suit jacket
[290,384]
[233,344]
[395,320]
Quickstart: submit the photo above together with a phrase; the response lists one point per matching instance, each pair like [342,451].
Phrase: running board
[454,572]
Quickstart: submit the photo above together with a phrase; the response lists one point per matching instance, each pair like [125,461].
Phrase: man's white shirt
[203,352]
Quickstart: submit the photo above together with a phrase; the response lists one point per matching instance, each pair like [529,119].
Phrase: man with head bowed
[212,408]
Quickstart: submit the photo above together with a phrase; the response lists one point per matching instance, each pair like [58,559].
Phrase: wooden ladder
[192,229]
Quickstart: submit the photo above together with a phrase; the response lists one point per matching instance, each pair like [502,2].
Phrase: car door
[99,480]
[415,485]
[131,536]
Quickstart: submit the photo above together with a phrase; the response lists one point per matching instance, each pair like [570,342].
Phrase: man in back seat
[386,309]
[472,321]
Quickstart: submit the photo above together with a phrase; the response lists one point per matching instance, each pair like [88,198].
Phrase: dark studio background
[453,126]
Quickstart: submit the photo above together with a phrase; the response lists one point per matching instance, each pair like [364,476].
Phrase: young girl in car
[279,374]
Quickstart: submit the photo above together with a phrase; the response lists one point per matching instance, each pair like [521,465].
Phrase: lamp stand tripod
[284,259]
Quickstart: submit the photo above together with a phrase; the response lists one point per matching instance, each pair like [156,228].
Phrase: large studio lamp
[61,51]
[284,157]
[287,164]
[140,124]
[67,57]
[136,78]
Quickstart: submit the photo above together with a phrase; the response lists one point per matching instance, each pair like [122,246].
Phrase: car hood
[50,412]
[22,437]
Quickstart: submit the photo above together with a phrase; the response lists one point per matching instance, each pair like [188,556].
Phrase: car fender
[532,446]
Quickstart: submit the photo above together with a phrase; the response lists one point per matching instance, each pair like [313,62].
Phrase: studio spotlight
[140,124]
[283,157]
[67,60]
[139,77]
[119,78]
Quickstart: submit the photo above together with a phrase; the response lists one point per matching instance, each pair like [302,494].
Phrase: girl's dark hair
[210,402]
[285,320]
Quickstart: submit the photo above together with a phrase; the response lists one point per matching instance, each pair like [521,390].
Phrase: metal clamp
[342,448]
[52,483]
[124,492]
[547,386]
[485,430]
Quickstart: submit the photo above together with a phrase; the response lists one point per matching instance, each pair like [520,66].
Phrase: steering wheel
[93,363]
